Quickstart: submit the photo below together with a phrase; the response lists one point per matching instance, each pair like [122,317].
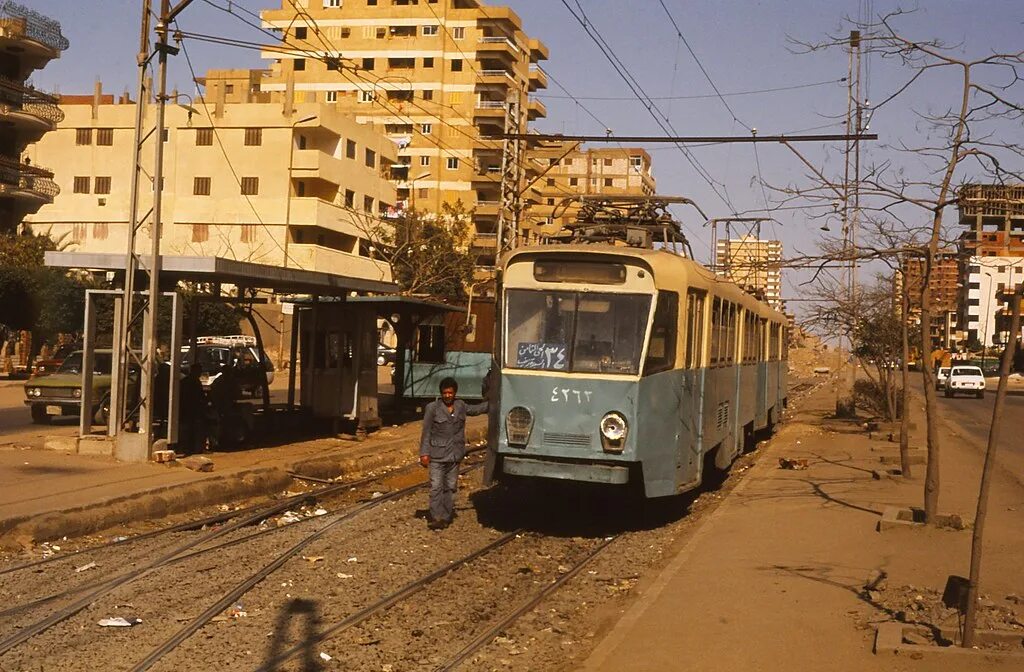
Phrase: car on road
[238,352]
[966,380]
[385,355]
[941,377]
[44,367]
[60,393]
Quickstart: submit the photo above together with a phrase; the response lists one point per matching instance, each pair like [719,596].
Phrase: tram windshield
[582,332]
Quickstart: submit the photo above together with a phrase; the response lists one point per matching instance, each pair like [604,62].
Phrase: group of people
[209,419]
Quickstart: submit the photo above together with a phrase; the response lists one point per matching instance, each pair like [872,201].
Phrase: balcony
[497,47]
[34,35]
[484,242]
[536,110]
[496,77]
[31,112]
[329,260]
[538,80]
[538,51]
[309,211]
[24,181]
[490,109]
[487,208]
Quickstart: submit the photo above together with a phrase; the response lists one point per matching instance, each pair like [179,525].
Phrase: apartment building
[28,41]
[945,290]
[246,182]
[753,263]
[566,170]
[986,317]
[436,76]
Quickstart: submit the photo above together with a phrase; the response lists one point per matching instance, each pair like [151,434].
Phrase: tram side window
[784,341]
[661,350]
[749,337]
[430,344]
[732,331]
[762,340]
[694,329]
[773,343]
[717,332]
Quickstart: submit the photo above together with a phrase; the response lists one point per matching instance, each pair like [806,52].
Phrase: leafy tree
[428,253]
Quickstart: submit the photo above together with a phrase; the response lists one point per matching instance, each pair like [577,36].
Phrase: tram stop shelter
[335,331]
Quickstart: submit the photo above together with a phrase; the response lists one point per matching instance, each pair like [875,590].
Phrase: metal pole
[123,317]
[150,364]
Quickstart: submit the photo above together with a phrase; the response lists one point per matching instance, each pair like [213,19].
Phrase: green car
[60,393]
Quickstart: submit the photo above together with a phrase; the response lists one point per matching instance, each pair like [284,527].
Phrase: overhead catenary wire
[702,96]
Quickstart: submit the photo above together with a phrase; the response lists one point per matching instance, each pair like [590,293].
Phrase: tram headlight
[613,431]
[518,425]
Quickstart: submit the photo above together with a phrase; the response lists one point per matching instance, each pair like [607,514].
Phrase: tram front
[573,341]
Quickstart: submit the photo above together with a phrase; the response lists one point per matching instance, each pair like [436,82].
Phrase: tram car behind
[624,365]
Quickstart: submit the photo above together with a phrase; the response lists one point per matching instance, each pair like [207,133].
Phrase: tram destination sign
[547,356]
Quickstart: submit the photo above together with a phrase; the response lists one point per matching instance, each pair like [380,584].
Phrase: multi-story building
[945,289]
[246,182]
[566,170]
[753,263]
[28,41]
[437,77]
[986,315]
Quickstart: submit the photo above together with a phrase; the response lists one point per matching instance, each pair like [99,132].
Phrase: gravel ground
[362,560]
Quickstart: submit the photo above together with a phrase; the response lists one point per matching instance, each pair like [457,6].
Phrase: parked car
[60,393]
[217,352]
[44,367]
[941,376]
[966,380]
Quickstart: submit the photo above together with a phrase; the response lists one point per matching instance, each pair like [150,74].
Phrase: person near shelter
[442,447]
[192,414]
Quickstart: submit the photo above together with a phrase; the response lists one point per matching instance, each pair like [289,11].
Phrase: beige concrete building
[754,264]
[301,190]
[434,76]
[566,170]
[28,41]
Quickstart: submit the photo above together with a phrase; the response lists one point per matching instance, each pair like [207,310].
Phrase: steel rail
[246,585]
[390,600]
[126,578]
[486,637]
[189,526]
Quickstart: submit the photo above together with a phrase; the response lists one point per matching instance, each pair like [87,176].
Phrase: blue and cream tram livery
[625,365]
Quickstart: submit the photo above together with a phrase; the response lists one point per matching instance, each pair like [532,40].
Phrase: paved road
[973,416]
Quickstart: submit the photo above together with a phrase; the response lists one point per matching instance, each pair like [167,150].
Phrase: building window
[367,64]
[253,137]
[458,33]
[200,233]
[350,149]
[102,185]
[551,201]
[366,96]
[455,98]
[350,198]
[105,137]
[248,233]
[331,3]
[346,32]
[429,30]
[204,136]
[574,182]
[381,33]
[371,3]
[100,230]
[167,134]
[424,160]
[607,181]
[426,129]
[551,181]
[299,64]
[201,186]
[83,136]
[636,162]
[368,203]
[567,162]
[453,163]
[428,94]
[332,96]
[456,65]
[301,32]
[608,162]
[81,185]
[370,158]
[250,186]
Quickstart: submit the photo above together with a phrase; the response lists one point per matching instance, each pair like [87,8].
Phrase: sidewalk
[773,579]
[48,494]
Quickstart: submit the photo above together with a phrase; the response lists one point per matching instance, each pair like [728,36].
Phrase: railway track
[192,549]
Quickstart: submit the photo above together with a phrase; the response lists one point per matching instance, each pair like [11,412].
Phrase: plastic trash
[119,622]
[325,657]
[83,568]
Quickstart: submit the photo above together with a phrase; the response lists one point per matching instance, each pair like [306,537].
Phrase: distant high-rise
[754,264]
[28,41]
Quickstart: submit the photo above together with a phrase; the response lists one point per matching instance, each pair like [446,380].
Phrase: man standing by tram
[442,447]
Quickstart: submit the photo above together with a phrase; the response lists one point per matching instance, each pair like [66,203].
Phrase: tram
[630,365]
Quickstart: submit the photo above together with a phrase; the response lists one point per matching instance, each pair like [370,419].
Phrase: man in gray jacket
[442,447]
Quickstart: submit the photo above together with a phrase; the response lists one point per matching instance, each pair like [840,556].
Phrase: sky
[747,49]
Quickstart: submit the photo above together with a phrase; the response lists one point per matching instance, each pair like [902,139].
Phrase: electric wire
[704,96]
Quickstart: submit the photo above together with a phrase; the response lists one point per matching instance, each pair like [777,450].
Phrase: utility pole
[134,264]
[511,180]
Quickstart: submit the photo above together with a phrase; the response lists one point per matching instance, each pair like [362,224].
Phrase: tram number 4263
[564,394]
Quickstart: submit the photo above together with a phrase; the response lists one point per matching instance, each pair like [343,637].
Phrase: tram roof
[667,267]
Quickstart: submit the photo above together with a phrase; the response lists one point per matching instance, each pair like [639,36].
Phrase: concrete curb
[354,462]
[889,640]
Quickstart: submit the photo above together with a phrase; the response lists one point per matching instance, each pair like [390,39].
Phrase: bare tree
[962,144]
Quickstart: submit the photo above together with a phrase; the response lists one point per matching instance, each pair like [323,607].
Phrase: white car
[941,377]
[966,380]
